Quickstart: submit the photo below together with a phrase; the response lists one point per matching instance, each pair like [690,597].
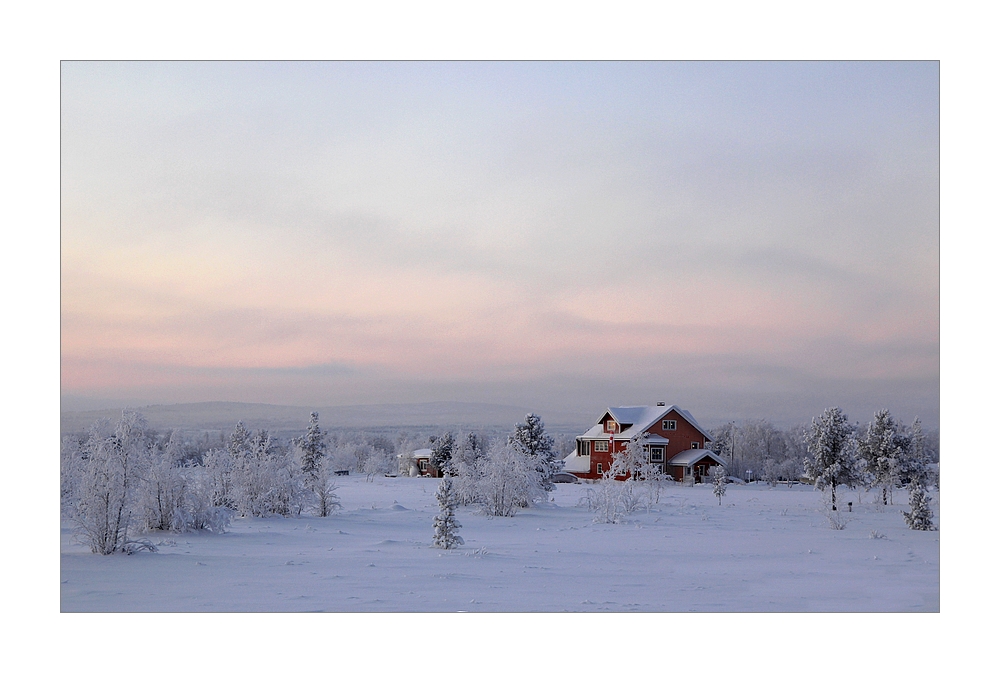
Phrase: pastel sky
[741,239]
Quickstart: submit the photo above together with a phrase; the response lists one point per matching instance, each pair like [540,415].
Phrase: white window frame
[670,425]
[600,446]
[610,426]
[659,449]
[600,468]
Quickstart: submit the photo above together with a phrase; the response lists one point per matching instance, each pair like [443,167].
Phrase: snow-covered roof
[640,417]
[577,464]
[692,456]
[422,453]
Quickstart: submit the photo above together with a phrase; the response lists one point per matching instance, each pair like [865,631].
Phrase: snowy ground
[764,550]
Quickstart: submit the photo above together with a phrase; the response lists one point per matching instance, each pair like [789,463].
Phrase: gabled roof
[693,456]
[641,417]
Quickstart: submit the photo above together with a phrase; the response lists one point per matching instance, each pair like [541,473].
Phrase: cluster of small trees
[883,456]
[760,449]
[121,480]
[501,476]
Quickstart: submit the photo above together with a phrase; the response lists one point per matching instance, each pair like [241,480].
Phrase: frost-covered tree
[200,510]
[312,447]
[219,476]
[108,485]
[163,494]
[913,462]
[832,444]
[467,468]
[446,526]
[510,479]
[920,516]
[377,462]
[325,489]
[532,437]
[719,482]
[70,469]
[632,464]
[442,448]
[239,441]
[879,449]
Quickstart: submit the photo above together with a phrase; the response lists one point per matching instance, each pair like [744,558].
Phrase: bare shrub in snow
[605,500]
[875,534]
[446,526]
[837,519]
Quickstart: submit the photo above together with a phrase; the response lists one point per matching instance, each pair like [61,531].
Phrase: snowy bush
[510,480]
[838,519]
[201,512]
[920,516]
[605,500]
[719,482]
[163,495]
[445,525]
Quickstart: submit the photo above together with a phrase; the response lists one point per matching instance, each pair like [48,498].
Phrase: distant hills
[222,416]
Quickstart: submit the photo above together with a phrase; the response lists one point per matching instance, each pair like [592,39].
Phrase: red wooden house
[675,442]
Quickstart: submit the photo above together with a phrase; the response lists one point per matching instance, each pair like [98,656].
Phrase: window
[422,463]
[670,425]
[694,445]
[600,468]
[610,426]
[600,446]
[584,448]
[656,454]
[687,471]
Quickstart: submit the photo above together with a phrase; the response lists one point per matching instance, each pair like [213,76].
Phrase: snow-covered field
[764,550]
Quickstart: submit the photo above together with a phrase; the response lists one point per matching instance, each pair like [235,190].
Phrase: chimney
[661,404]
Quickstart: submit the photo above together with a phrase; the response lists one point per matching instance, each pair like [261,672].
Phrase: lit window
[609,426]
[694,445]
[669,425]
[656,454]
